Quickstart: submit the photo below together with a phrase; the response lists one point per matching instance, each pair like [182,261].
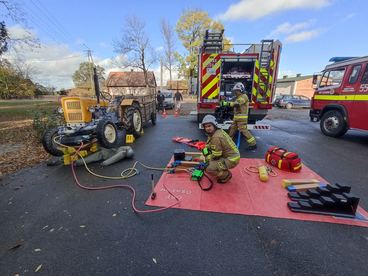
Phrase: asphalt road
[70,231]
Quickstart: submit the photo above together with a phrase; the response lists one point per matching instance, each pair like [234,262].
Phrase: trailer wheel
[48,142]
[133,121]
[333,124]
[153,118]
[107,134]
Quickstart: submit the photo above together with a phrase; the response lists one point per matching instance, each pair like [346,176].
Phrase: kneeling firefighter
[240,120]
[220,152]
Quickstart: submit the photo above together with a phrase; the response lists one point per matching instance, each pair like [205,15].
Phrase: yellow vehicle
[88,119]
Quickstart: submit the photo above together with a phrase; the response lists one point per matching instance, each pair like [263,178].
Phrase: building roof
[130,79]
[293,79]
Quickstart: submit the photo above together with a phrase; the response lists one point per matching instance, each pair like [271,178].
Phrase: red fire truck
[340,99]
[219,70]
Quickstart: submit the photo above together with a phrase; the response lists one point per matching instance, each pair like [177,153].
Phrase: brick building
[130,83]
[299,85]
[178,85]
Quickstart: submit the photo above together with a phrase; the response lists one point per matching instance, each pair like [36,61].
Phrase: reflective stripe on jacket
[221,145]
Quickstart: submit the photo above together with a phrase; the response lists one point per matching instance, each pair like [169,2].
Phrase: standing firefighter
[220,152]
[241,106]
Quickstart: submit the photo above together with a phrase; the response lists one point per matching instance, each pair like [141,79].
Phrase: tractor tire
[107,134]
[49,144]
[153,118]
[133,121]
[333,124]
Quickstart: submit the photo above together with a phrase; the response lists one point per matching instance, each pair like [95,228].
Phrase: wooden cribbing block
[287,182]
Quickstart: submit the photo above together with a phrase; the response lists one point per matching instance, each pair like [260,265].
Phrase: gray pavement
[70,231]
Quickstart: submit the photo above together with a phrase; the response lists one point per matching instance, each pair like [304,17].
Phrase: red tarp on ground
[245,194]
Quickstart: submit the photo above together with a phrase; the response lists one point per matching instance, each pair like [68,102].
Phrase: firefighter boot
[225,179]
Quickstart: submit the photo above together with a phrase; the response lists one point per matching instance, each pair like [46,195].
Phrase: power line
[52,20]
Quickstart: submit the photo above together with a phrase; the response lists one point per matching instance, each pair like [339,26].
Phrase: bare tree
[135,46]
[12,9]
[169,48]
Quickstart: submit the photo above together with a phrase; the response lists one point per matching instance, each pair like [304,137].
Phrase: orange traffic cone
[164,114]
[176,113]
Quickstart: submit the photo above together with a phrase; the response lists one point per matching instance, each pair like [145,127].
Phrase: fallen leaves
[38,268]
[16,245]
[26,149]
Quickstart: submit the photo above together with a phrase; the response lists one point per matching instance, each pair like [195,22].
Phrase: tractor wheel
[153,118]
[107,134]
[333,124]
[48,142]
[133,121]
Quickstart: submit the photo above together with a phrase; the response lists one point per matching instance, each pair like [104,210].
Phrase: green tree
[191,28]
[83,76]
[13,85]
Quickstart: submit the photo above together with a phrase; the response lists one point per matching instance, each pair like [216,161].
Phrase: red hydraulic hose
[128,187]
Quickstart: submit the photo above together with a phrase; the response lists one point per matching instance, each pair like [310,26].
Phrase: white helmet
[209,119]
[238,86]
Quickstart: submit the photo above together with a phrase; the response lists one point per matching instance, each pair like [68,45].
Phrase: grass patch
[22,110]
[22,102]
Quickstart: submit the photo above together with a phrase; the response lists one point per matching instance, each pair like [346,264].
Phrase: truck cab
[340,99]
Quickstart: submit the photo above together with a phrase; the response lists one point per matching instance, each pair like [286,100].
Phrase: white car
[169,99]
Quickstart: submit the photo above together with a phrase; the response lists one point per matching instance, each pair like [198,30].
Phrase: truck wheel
[48,142]
[153,118]
[133,120]
[333,124]
[289,106]
[107,134]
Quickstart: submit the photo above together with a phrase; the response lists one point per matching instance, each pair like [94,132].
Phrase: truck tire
[153,118]
[107,134]
[333,124]
[133,121]
[49,144]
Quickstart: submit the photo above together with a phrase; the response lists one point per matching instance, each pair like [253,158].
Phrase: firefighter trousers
[242,127]
[219,168]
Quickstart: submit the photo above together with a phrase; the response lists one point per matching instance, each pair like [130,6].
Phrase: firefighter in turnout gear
[220,152]
[241,106]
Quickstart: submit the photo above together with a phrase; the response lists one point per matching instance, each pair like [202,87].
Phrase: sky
[311,31]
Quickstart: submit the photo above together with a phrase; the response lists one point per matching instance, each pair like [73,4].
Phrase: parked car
[293,101]
[169,99]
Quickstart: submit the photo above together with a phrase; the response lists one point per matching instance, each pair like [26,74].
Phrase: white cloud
[255,9]
[54,64]
[49,64]
[302,36]
[287,28]
[105,45]
[17,32]
[349,16]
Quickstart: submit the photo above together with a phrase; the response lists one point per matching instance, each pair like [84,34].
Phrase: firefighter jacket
[220,145]
[241,106]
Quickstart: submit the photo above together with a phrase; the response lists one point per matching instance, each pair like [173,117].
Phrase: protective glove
[224,103]
[206,151]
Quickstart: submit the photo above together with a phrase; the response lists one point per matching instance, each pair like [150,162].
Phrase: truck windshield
[332,78]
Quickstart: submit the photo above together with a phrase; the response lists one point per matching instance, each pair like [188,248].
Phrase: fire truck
[219,69]
[340,100]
